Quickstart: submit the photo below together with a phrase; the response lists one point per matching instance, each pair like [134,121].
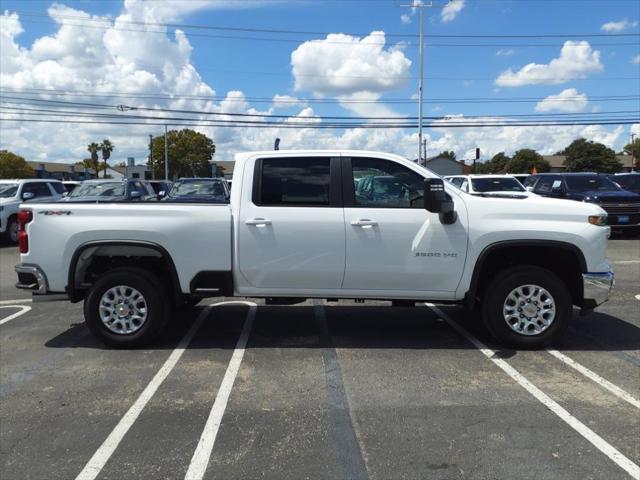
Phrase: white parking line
[615,455]
[12,302]
[23,309]
[99,459]
[200,459]
[596,378]
[624,262]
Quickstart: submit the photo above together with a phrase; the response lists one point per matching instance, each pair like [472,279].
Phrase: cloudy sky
[305,60]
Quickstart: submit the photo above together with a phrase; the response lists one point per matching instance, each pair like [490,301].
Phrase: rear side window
[39,189]
[57,187]
[294,182]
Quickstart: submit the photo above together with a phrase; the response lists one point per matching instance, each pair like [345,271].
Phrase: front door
[393,243]
[291,231]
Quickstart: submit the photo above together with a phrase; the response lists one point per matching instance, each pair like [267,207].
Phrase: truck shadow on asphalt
[363,327]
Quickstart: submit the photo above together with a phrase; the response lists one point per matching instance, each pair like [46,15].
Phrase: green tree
[525,160]
[14,166]
[633,149]
[588,156]
[106,147]
[189,153]
[93,148]
[497,164]
[450,154]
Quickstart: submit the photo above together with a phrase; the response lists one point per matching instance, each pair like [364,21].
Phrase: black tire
[507,281]
[11,232]
[155,296]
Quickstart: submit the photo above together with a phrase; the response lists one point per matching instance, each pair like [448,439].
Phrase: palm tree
[106,147]
[93,148]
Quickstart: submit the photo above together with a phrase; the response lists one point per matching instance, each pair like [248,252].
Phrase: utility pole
[420,5]
[424,151]
[153,174]
[166,155]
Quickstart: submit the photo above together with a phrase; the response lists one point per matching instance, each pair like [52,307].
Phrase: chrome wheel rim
[529,310]
[123,310]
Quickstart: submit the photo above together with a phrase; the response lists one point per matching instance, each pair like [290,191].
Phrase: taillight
[24,217]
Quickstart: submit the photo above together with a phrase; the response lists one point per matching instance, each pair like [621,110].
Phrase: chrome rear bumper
[30,277]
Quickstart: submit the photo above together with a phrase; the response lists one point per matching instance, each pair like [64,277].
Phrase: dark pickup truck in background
[622,206]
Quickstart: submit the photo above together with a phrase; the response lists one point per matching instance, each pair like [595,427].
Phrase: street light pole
[166,155]
[420,84]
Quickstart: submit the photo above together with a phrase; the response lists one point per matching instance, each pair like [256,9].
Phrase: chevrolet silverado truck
[297,227]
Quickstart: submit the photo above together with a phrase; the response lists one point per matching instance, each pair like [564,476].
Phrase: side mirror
[135,195]
[529,189]
[162,194]
[28,195]
[436,200]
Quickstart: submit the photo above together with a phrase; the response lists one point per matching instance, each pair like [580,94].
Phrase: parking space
[320,390]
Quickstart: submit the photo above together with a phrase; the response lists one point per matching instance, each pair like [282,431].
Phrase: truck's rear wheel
[11,233]
[527,307]
[126,307]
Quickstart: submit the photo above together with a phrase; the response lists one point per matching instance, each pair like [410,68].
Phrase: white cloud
[405,18]
[576,60]
[568,100]
[613,27]
[451,10]
[505,52]
[636,60]
[342,65]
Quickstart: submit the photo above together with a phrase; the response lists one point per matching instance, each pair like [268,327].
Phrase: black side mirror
[436,200]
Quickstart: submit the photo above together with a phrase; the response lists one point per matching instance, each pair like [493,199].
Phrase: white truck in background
[323,224]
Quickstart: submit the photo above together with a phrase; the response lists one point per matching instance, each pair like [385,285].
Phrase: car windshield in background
[589,183]
[496,185]
[205,188]
[8,190]
[103,189]
[628,182]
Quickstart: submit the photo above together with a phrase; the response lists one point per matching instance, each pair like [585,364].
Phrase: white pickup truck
[323,224]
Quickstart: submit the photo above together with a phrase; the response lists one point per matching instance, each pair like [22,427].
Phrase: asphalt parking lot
[238,391]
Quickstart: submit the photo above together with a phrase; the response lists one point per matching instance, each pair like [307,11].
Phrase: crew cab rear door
[291,232]
[393,243]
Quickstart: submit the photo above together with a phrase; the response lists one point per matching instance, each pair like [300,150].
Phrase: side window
[457,181]
[464,185]
[545,184]
[57,187]
[387,184]
[294,182]
[39,189]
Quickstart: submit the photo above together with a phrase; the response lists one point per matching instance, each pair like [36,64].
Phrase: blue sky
[263,68]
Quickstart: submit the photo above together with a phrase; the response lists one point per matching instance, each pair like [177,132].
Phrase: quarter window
[384,184]
[295,182]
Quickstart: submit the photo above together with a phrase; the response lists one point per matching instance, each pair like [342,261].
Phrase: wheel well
[91,261]
[565,261]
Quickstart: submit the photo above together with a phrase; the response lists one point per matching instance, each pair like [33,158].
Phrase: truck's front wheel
[126,307]
[527,307]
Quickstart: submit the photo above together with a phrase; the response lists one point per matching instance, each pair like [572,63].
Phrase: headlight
[600,220]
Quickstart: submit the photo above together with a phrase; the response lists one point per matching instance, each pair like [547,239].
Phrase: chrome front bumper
[597,288]
[30,277]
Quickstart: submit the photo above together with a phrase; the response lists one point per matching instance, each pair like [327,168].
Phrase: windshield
[496,184]
[588,183]
[8,190]
[103,189]
[197,187]
[628,182]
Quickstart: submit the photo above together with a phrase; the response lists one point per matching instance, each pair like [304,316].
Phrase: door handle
[364,223]
[258,222]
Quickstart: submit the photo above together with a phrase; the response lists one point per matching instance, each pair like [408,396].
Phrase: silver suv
[15,192]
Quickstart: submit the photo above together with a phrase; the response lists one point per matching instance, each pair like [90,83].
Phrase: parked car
[107,190]
[160,187]
[628,181]
[491,184]
[15,192]
[295,229]
[199,190]
[622,206]
[521,177]
[70,185]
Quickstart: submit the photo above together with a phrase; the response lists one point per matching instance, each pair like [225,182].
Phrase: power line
[454,100]
[333,42]
[310,32]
